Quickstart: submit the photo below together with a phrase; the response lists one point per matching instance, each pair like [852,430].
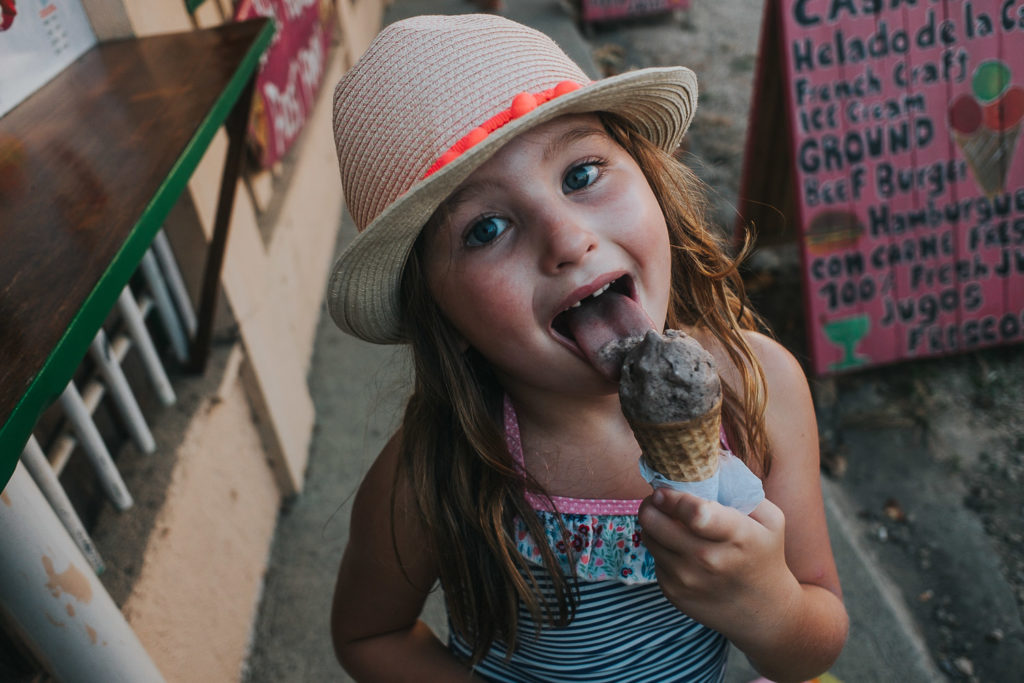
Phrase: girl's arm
[375,622]
[766,581]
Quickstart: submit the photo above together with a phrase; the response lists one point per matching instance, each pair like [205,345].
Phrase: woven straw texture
[422,85]
[682,451]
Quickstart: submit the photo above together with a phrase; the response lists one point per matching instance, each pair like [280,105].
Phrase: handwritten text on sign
[290,71]
[906,118]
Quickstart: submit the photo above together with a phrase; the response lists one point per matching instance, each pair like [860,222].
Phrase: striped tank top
[623,629]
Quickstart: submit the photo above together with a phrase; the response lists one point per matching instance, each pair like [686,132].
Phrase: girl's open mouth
[565,322]
[611,312]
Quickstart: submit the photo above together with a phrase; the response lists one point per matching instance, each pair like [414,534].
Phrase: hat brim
[363,290]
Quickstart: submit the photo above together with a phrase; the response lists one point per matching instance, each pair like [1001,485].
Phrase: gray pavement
[358,390]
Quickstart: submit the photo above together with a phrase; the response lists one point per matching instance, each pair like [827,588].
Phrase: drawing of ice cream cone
[986,123]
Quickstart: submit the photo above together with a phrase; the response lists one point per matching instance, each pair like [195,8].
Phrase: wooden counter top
[95,161]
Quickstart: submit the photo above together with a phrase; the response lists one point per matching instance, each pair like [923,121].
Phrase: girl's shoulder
[781,368]
[789,419]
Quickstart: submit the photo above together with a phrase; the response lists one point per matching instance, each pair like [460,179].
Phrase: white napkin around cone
[733,484]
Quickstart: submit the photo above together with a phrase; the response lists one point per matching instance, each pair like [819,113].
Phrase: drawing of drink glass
[846,333]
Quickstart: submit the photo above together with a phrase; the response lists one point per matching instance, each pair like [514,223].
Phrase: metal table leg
[52,598]
[46,479]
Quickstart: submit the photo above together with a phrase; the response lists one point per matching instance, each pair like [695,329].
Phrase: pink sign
[905,120]
[291,71]
[603,10]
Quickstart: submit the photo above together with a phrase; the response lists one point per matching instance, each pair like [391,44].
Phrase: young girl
[513,217]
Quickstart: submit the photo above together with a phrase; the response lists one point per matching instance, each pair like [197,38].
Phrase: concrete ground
[358,390]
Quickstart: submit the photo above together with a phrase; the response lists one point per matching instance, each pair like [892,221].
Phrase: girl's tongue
[607,318]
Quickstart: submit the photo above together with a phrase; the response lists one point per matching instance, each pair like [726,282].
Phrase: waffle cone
[682,451]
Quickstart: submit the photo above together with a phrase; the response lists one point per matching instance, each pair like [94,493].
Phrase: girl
[514,217]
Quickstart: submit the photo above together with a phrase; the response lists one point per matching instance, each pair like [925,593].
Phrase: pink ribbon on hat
[522,104]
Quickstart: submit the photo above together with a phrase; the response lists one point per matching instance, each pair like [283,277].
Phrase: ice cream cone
[682,451]
[988,153]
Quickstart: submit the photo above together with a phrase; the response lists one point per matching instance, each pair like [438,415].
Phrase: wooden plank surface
[100,154]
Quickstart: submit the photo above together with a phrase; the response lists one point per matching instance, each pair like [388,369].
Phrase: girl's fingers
[769,515]
[704,518]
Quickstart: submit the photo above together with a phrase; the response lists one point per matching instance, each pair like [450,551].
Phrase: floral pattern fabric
[595,547]
[602,539]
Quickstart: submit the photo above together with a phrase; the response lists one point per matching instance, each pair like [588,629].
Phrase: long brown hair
[469,490]
[707,288]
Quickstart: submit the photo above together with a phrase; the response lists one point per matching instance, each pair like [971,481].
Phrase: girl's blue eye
[486,230]
[580,177]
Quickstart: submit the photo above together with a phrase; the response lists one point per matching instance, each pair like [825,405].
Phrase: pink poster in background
[906,119]
[291,71]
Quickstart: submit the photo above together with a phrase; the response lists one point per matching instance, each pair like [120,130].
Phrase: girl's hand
[719,566]
[766,581]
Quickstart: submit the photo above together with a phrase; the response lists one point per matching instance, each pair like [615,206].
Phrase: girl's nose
[568,241]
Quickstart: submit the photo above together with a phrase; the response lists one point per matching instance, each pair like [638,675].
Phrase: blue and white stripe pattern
[621,632]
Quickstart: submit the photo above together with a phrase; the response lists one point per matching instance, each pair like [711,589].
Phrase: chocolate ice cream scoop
[672,396]
[668,378]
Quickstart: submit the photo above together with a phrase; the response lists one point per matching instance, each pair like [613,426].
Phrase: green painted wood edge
[192,5]
[60,366]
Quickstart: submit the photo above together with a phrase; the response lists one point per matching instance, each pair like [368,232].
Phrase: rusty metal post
[53,600]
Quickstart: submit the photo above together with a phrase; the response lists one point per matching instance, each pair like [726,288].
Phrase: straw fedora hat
[431,99]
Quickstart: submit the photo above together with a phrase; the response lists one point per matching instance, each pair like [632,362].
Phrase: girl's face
[559,213]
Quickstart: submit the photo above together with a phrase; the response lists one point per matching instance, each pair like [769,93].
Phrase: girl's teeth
[596,294]
[592,296]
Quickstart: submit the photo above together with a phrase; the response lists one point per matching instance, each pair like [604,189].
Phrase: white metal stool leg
[117,384]
[164,306]
[92,443]
[55,604]
[140,335]
[92,394]
[42,473]
[175,283]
